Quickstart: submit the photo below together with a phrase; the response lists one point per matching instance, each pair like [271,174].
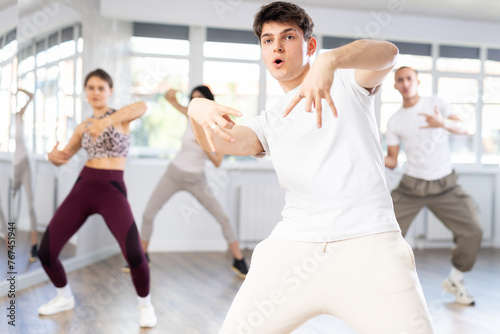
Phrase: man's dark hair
[283,12]
[100,74]
[403,67]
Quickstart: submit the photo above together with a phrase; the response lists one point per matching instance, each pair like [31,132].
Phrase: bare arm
[172,99]
[371,60]
[391,160]
[122,116]
[60,157]
[30,95]
[214,130]
[216,158]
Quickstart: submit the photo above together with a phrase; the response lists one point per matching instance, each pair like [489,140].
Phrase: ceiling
[477,10]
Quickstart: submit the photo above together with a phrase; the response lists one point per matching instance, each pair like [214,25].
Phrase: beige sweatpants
[369,282]
[175,180]
[450,204]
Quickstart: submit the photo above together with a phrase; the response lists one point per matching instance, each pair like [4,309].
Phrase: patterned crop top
[109,144]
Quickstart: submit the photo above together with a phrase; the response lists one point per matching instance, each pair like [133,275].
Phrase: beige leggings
[175,180]
[370,283]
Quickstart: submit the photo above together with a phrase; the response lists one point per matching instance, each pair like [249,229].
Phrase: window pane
[491,90]
[53,54]
[231,50]
[461,93]
[458,65]
[6,77]
[80,45]
[491,134]
[9,50]
[235,85]
[492,67]
[79,76]
[41,58]
[420,63]
[67,77]
[162,46]
[462,146]
[26,65]
[458,90]
[67,49]
[159,131]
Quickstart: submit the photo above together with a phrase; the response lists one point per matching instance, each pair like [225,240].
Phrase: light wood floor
[192,292]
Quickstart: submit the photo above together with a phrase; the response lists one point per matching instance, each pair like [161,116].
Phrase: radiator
[259,210]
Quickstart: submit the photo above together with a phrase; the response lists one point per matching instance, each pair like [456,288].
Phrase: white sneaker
[147,316]
[459,291]
[56,305]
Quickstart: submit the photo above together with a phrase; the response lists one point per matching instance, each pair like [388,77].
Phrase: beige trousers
[370,283]
[450,204]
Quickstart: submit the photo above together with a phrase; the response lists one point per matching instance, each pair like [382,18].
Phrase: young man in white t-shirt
[422,126]
[338,249]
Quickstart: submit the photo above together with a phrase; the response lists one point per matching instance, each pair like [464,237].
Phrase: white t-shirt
[427,149]
[191,157]
[333,177]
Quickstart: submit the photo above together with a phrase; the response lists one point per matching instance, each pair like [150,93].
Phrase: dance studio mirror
[42,101]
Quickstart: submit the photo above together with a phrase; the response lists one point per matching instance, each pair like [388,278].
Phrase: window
[159,61]
[51,68]
[461,93]
[491,120]
[458,59]
[235,85]
[159,131]
[232,71]
[8,73]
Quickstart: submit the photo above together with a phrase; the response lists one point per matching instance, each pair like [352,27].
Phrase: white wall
[8,19]
[174,230]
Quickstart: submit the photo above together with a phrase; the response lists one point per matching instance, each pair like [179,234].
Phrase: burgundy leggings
[95,191]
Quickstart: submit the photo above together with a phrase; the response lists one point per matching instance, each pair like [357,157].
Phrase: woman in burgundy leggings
[99,189]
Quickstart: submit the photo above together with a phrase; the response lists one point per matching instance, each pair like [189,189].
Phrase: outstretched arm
[30,95]
[371,60]
[122,116]
[172,99]
[216,158]
[215,131]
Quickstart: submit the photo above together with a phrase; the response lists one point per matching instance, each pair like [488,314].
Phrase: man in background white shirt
[422,126]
